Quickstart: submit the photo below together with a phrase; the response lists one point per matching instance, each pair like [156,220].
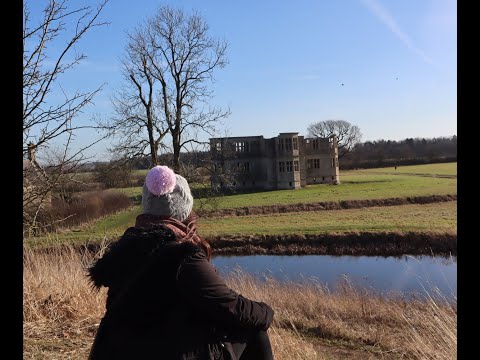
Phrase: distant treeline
[369,154]
[411,151]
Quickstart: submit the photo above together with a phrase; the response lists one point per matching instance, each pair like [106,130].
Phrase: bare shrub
[81,209]
[116,174]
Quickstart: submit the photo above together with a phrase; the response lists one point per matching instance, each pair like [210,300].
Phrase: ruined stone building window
[316,163]
[295,143]
[309,163]
[218,146]
[281,166]
[281,144]
[254,146]
[315,144]
[332,161]
[241,146]
[288,144]
[289,166]
[296,166]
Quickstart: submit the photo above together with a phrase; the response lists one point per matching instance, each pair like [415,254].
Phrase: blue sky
[396,59]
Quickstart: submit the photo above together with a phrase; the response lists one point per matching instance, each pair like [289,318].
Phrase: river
[388,275]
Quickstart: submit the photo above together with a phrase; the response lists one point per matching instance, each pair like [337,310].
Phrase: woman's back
[166,301]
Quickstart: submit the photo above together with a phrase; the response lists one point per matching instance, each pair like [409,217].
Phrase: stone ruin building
[287,161]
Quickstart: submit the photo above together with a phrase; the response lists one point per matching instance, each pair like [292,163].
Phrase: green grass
[448,169]
[134,193]
[356,185]
[437,217]
[142,172]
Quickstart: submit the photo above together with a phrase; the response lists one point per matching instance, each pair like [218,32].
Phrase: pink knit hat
[166,193]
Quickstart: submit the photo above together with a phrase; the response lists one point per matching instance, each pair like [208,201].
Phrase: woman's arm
[205,290]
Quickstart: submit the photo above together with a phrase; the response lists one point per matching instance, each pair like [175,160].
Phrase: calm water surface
[407,274]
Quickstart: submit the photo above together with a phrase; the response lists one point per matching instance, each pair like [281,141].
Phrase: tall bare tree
[169,66]
[45,118]
[137,125]
[347,134]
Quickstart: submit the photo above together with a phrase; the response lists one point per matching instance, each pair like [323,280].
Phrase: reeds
[62,312]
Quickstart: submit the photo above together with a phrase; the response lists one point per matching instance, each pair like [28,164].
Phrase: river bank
[325,205]
[350,243]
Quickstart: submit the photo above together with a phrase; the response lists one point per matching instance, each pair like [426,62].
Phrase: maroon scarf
[184,231]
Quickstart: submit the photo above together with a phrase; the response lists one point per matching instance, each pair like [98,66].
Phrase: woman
[165,300]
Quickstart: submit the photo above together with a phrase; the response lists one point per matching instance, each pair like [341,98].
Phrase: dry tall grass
[61,314]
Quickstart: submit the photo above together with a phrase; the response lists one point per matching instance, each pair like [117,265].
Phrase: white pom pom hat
[166,193]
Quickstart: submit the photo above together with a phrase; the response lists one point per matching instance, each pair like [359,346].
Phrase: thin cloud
[384,16]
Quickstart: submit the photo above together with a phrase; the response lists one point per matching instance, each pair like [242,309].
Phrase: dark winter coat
[165,301]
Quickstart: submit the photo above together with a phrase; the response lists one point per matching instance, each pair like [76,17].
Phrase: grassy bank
[437,217]
[433,218]
[357,244]
[61,314]
[351,243]
[326,205]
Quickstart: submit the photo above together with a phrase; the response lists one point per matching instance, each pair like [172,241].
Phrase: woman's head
[166,194]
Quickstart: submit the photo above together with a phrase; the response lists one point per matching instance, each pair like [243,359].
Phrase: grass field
[448,169]
[437,217]
[356,185]
[353,187]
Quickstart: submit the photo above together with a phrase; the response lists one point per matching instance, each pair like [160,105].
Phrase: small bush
[114,175]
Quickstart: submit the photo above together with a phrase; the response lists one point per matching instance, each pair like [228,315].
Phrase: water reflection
[387,275]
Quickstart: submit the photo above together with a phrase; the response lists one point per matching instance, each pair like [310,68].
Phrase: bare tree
[42,183]
[137,126]
[171,55]
[347,134]
[45,118]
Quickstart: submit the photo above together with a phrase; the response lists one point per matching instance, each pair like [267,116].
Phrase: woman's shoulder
[159,240]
